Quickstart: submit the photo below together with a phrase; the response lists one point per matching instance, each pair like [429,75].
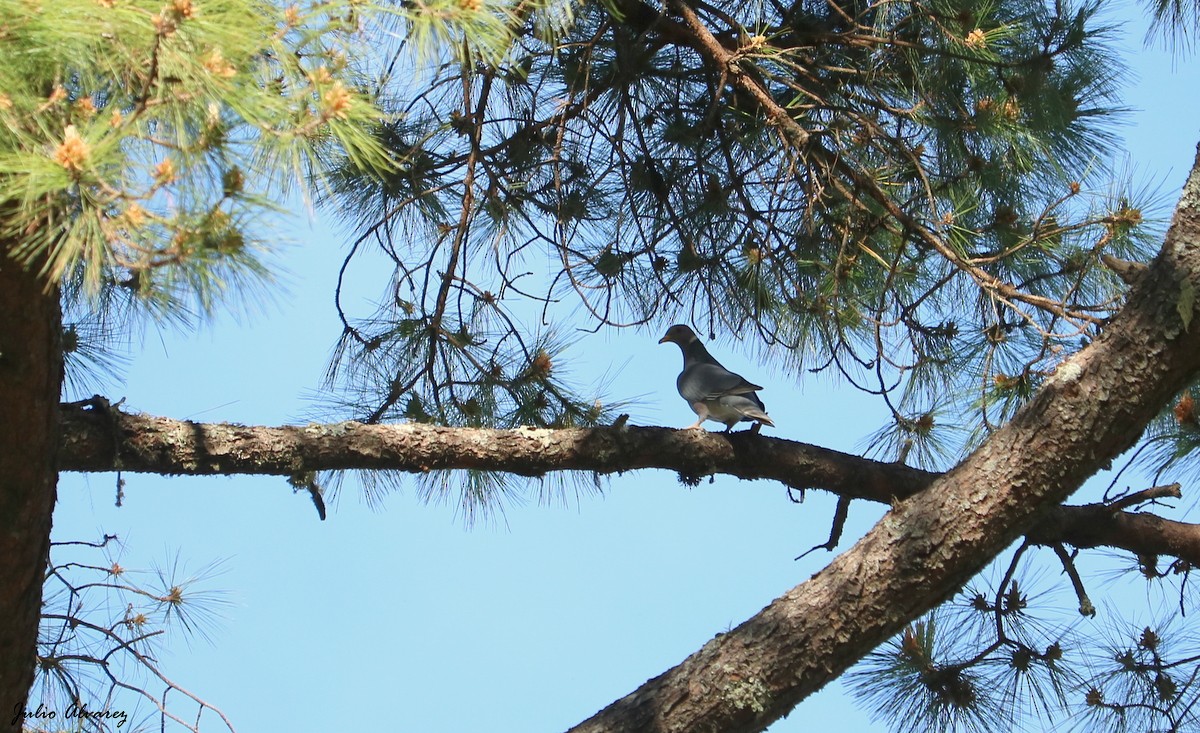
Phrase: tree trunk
[1093,408]
[30,380]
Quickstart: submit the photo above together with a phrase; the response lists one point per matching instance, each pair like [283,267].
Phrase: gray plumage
[713,392]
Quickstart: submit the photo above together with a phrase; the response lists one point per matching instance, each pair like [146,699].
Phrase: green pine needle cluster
[141,143]
[988,660]
[1001,655]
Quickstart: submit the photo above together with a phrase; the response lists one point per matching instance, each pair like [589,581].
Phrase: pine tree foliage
[141,140]
[1175,21]
[998,656]
[1147,679]
[1009,654]
[905,194]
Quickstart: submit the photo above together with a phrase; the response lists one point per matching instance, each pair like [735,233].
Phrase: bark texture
[1094,407]
[30,378]
[100,438]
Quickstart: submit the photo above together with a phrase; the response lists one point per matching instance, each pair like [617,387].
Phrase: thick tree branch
[1096,525]
[109,440]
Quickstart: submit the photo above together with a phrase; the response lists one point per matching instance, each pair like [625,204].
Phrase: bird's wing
[742,407]
[701,382]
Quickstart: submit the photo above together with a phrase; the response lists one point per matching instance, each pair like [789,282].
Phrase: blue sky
[398,616]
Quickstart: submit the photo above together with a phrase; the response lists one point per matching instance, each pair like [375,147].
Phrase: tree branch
[110,440]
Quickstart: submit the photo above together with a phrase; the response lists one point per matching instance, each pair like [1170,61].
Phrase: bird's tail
[753,413]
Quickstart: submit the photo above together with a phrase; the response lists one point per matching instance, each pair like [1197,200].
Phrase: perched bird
[714,392]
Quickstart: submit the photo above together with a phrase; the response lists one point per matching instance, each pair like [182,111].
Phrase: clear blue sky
[398,617]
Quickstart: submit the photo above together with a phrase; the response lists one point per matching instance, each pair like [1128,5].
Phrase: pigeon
[714,392]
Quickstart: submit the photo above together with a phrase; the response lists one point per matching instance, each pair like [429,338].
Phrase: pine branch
[110,440]
[149,444]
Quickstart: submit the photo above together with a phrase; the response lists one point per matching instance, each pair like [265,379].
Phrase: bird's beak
[663,340]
